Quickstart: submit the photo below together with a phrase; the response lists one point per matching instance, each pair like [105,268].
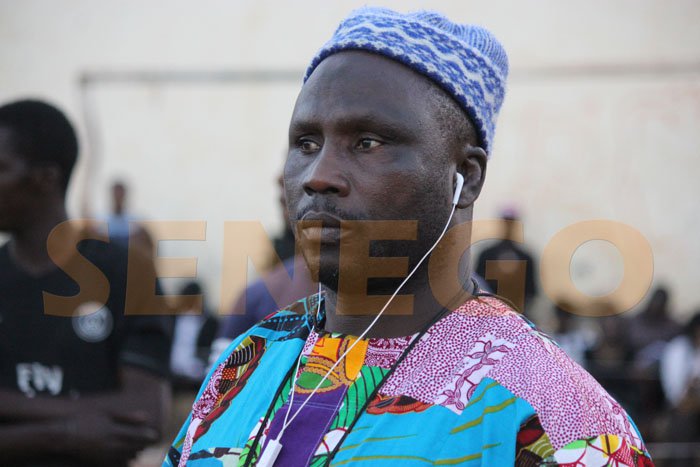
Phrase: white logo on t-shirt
[92,322]
[35,377]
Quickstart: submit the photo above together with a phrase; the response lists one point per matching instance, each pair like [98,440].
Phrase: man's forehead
[365,69]
[361,86]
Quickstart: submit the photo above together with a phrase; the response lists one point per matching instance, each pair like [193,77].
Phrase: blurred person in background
[87,387]
[194,332]
[118,220]
[256,301]
[508,267]
[647,334]
[610,360]
[123,227]
[649,331]
[680,377]
[284,244]
[572,334]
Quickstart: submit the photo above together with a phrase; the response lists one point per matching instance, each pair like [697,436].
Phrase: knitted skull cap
[466,61]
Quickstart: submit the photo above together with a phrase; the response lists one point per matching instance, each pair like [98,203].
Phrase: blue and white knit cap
[466,61]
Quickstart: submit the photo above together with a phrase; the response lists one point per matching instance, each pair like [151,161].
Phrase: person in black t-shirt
[82,381]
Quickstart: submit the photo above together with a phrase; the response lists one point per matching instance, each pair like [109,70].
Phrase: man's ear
[472,166]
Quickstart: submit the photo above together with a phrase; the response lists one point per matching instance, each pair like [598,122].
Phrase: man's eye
[306,145]
[368,143]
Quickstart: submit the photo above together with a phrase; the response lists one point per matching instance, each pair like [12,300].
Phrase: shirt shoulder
[570,403]
[485,338]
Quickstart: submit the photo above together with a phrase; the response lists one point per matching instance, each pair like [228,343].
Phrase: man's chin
[329,267]
[329,278]
[330,270]
[352,280]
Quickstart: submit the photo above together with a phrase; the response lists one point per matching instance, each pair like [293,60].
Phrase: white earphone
[458,187]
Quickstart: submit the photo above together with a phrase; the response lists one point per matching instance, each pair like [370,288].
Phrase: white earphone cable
[288,421]
[296,373]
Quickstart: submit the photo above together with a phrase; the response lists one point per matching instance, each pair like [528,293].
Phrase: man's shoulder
[486,340]
[569,402]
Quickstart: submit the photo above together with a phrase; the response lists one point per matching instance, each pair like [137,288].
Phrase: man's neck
[440,285]
[352,315]
[28,246]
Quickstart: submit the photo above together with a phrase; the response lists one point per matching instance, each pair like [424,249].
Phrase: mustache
[326,208]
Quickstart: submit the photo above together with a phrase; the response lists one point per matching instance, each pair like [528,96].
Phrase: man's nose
[326,175]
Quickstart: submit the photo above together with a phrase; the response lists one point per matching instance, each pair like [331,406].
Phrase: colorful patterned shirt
[481,386]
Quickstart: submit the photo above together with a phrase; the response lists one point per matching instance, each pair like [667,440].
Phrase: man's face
[365,144]
[15,192]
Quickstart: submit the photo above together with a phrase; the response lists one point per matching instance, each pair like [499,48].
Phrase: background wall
[601,117]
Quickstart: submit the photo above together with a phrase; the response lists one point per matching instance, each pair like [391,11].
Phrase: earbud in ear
[458,187]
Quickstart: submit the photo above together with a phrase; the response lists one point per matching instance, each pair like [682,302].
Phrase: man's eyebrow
[303,125]
[359,122]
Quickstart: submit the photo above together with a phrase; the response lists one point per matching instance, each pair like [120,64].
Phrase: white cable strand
[361,336]
[296,371]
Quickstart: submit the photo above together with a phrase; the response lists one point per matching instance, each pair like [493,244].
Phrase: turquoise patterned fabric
[467,394]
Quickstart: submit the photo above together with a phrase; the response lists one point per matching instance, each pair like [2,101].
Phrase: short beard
[330,267]
[329,276]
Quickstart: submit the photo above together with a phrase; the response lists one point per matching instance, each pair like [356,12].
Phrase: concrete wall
[601,118]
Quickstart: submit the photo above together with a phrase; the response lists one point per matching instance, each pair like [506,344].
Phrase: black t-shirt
[68,356]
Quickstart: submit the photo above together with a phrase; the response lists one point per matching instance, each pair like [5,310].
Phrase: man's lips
[328,220]
[321,227]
